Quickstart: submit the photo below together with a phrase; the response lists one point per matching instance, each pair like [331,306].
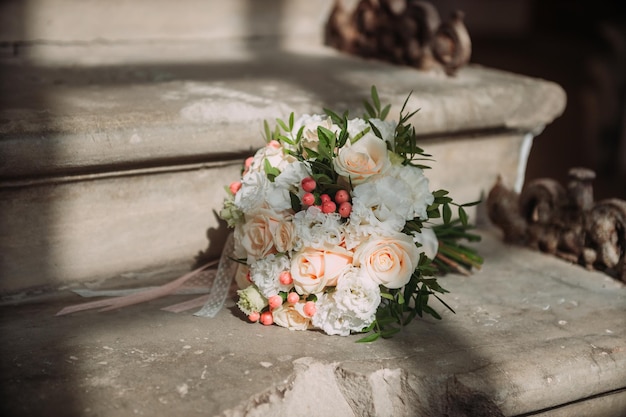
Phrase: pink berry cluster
[276,301]
[340,204]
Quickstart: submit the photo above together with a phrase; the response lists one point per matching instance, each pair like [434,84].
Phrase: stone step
[113,156]
[532,336]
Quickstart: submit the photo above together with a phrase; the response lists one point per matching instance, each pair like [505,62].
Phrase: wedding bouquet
[331,226]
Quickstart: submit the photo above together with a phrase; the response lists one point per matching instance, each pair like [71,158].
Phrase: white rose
[314,269]
[359,161]
[388,260]
[428,241]
[292,316]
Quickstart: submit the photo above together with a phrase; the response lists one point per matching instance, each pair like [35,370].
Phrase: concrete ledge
[532,335]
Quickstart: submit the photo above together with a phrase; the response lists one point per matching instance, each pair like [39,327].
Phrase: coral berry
[308,184]
[254,316]
[275,301]
[310,308]
[341,196]
[267,318]
[308,199]
[235,186]
[345,209]
[329,207]
[293,297]
[285,278]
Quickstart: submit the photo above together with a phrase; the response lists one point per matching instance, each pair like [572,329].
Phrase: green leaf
[375,98]
[369,338]
[463,216]
[360,135]
[282,125]
[369,109]
[447,213]
[385,112]
[387,333]
[375,130]
[440,193]
[387,296]
[268,132]
[291,116]
[270,171]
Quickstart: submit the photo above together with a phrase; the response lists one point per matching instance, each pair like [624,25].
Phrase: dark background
[579,44]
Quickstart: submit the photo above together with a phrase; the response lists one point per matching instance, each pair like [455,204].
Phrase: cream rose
[255,235]
[313,269]
[359,161]
[291,316]
[282,231]
[388,260]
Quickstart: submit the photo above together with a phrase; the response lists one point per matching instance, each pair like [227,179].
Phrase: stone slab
[92,228]
[104,107]
[532,335]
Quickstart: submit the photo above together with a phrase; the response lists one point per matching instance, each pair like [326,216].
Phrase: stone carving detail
[565,222]
[405,32]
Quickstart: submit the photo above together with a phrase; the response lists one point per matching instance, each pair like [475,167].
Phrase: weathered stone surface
[121,105]
[90,228]
[531,334]
[72,21]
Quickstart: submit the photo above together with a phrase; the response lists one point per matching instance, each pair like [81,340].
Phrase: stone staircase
[118,133]
[120,123]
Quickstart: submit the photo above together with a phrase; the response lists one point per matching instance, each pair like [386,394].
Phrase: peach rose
[388,260]
[359,161]
[282,233]
[314,269]
[255,235]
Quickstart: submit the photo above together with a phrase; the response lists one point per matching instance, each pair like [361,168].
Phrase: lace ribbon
[226,271]
[212,302]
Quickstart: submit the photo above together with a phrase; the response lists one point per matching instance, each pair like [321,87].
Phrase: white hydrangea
[265,274]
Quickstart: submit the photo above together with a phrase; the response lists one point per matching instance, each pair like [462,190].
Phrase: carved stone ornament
[565,222]
[405,32]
